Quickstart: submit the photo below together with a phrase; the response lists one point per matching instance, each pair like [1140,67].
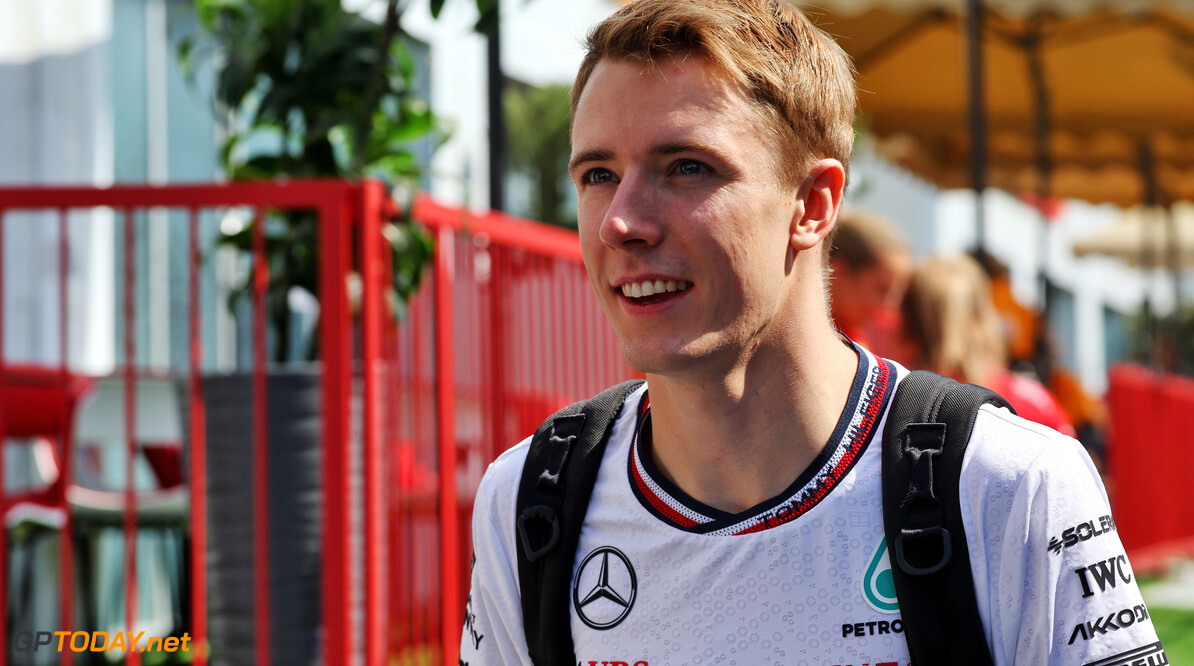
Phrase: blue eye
[690,168]
[598,176]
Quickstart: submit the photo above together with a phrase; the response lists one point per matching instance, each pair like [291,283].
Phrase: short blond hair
[949,315]
[800,80]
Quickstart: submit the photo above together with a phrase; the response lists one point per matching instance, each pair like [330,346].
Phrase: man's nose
[632,218]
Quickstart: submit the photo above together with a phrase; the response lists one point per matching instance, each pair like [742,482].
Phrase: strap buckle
[917,539]
[546,514]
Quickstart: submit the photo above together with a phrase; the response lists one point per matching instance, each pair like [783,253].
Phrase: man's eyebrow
[596,155]
[678,147]
[697,147]
[672,148]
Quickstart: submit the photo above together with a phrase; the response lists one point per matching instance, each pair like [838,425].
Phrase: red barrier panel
[1150,455]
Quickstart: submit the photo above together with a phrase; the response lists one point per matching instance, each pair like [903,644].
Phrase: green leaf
[415,123]
[437,6]
[395,165]
[186,47]
[489,19]
[226,150]
[406,65]
[261,167]
[310,89]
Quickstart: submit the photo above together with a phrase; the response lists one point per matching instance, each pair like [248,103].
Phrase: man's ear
[820,196]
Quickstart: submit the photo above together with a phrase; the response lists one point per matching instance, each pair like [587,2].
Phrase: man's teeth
[652,287]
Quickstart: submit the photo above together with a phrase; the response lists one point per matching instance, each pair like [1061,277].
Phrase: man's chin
[660,360]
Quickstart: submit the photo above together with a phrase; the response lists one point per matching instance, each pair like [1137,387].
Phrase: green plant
[487,11]
[307,90]
[537,122]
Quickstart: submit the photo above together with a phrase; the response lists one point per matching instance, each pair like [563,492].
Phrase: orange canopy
[1114,82]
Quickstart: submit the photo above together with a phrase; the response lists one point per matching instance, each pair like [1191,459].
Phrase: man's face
[677,188]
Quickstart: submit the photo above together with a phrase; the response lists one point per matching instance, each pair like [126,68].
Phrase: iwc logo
[878,584]
[604,589]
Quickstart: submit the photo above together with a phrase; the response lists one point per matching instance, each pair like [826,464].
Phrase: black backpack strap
[928,429]
[553,496]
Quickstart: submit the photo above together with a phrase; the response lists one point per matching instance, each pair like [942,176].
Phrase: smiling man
[736,514]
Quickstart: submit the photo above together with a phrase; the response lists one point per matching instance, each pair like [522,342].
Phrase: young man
[736,516]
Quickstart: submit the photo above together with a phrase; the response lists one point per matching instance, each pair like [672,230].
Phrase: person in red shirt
[950,326]
[870,264]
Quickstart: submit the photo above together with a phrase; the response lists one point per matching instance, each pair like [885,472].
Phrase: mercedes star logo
[609,586]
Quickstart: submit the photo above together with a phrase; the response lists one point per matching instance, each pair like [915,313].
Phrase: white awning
[1144,237]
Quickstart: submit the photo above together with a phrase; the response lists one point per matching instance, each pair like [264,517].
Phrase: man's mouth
[653,291]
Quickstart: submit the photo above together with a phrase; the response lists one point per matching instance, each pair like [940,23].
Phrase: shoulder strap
[928,429]
[553,496]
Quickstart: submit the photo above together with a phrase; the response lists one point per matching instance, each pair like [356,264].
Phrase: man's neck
[742,437]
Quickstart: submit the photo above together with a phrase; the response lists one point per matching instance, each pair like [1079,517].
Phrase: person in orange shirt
[951,326]
[1030,345]
[1021,325]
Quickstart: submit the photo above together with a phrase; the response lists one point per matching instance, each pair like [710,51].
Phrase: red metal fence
[522,336]
[503,313]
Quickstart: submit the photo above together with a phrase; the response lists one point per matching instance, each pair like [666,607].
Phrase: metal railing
[413,401]
[509,315]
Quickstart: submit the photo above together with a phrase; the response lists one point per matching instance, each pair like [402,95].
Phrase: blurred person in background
[950,325]
[1020,324]
[870,265]
[1032,348]
[1087,412]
